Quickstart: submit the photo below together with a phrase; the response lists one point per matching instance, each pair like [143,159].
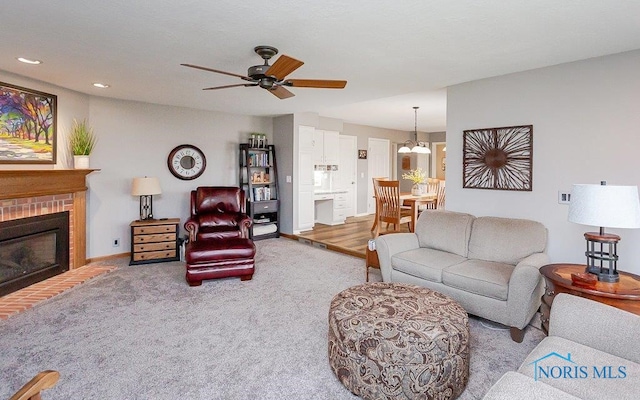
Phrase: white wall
[135,140]
[586,128]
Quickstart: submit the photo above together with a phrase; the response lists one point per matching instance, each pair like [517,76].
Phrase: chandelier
[413,146]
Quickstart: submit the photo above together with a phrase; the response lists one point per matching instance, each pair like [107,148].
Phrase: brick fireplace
[39,192]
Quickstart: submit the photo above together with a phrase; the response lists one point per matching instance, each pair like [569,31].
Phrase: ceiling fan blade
[230,86]
[246,78]
[316,83]
[283,66]
[281,93]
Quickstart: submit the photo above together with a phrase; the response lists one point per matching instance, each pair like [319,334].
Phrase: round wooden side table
[624,295]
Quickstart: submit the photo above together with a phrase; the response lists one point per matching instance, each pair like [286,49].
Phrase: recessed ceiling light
[28,61]
[101,85]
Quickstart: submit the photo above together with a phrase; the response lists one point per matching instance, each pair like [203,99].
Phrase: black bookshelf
[259,180]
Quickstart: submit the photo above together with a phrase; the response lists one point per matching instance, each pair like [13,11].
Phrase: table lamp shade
[605,206]
[145,186]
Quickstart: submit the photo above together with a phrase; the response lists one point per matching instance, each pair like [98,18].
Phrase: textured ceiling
[394,54]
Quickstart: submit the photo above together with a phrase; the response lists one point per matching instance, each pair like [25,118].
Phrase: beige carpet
[140,332]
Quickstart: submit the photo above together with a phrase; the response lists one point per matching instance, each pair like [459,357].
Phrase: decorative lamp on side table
[604,206]
[145,188]
[624,294]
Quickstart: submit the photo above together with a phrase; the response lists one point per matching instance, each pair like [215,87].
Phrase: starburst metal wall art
[498,158]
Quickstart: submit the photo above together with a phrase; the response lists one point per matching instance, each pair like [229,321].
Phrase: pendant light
[416,147]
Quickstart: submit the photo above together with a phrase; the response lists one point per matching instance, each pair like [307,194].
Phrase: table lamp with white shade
[145,188]
[605,206]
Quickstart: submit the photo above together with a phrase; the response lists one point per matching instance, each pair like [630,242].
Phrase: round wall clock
[186,162]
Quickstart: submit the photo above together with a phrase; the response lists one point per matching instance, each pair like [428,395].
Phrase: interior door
[347,171]
[305,220]
[378,161]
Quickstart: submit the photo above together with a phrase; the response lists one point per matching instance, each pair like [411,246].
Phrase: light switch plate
[564,197]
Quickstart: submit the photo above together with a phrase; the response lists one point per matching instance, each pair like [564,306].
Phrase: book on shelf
[259,160]
[261,194]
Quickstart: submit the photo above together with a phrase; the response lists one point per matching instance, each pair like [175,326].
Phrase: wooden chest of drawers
[154,241]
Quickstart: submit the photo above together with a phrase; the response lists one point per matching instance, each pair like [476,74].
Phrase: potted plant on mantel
[82,141]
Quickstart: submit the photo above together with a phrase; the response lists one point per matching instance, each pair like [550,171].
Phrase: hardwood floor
[350,238]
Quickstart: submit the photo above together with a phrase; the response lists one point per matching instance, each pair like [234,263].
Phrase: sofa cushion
[444,230]
[486,278]
[424,263]
[553,351]
[506,240]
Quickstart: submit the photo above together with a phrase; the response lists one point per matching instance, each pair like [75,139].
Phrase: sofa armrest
[390,244]
[596,325]
[526,287]
[244,222]
[191,226]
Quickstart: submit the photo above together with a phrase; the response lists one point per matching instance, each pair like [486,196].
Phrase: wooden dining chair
[441,197]
[375,197]
[389,207]
[432,185]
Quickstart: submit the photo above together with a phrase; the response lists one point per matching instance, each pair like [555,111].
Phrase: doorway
[377,166]
[347,172]
[439,160]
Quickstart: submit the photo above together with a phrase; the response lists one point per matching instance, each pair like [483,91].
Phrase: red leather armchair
[217,212]
[219,244]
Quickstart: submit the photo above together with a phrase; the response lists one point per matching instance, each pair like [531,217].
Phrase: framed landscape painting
[27,126]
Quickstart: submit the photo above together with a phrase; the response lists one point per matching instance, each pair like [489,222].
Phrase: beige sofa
[602,345]
[489,265]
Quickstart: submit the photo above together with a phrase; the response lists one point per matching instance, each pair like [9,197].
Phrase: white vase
[416,189]
[81,162]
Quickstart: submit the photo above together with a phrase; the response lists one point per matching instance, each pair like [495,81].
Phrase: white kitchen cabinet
[331,208]
[326,146]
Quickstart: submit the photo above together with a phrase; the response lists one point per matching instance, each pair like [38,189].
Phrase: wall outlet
[288,178]
[115,242]
[564,197]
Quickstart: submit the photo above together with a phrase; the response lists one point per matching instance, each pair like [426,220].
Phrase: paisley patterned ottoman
[399,341]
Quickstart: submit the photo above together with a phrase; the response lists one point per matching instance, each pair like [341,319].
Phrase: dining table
[415,201]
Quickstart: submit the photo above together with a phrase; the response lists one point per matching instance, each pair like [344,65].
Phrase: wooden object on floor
[372,261]
[441,197]
[624,295]
[389,206]
[31,390]
[154,240]
[415,201]
[375,199]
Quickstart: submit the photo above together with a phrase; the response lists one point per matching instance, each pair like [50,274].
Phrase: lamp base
[609,277]
[146,205]
[602,257]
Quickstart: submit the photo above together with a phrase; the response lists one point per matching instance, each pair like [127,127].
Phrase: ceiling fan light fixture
[273,77]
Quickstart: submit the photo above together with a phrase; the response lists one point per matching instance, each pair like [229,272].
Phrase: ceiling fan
[272,77]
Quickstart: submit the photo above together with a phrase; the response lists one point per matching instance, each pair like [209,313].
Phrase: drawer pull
[266,206]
